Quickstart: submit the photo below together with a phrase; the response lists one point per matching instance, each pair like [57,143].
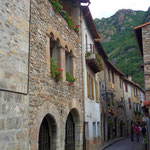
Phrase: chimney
[130,78]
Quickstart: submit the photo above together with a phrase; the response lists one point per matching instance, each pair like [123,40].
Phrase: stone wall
[14,44]
[14,50]
[146,56]
[13,121]
[46,95]
[118,92]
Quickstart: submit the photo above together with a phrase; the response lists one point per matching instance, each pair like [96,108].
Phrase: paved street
[125,145]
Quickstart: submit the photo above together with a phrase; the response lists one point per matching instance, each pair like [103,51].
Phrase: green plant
[55,70]
[108,104]
[57,6]
[88,54]
[145,141]
[70,78]
[113,103]
[99,61]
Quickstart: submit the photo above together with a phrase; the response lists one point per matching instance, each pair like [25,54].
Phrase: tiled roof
[143,25]
[115,68]
[138,35]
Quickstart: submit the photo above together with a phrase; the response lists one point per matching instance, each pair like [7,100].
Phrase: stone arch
[47,109]
[47,133]
[76,121]
[76,110]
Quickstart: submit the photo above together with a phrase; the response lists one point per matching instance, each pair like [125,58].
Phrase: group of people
[138,131]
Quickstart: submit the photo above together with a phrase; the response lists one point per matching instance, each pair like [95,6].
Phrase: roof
[146,103]
[100,48]
[138,35]
[129,81]
[90,22]
[115,68]
[92,28]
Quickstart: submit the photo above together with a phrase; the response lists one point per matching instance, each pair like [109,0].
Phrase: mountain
[120,43]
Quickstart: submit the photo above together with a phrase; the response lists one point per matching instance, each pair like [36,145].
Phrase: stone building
[14,73]
[37,108]
[128,97]
[142,34]
[113,113]
[116,103]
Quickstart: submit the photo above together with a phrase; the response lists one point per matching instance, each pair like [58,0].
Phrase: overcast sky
[107,8]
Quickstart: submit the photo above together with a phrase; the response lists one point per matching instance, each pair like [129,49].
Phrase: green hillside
[120,43]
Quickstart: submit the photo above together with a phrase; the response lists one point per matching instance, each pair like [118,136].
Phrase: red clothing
[137,129]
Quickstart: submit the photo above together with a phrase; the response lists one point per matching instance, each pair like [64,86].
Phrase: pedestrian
[132,133]
[143,131]
[137,131]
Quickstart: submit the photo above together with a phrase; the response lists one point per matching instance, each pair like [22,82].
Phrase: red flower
[69,84]
[60,69]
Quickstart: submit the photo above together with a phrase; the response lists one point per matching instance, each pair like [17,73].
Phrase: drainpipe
[83,68]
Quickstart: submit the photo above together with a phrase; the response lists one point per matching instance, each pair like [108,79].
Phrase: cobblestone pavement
[125,145]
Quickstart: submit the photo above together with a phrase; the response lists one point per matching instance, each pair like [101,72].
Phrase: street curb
[117,140]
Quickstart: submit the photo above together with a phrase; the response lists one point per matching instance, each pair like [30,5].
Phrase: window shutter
[96,88]
[92,89]
[88,84]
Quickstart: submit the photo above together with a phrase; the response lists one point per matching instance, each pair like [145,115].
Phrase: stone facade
[57,99]
[14,55]
[146,56]
[115,104]
[14,45]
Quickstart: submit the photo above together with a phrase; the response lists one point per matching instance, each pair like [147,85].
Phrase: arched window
[55,50]
[69,62]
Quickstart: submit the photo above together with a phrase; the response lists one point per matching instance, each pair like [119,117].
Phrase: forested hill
[120,43]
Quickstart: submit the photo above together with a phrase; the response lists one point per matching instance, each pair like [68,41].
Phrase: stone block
[1,124]
[13,123]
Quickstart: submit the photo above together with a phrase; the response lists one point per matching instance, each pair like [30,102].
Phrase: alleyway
[125,145]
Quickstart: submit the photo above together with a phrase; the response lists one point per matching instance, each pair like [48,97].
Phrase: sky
[107,8]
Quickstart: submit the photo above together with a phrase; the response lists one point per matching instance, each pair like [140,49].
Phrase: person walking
[132,133]
[137,131]
[143,131]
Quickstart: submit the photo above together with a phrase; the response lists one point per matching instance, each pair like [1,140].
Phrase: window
[126,87]
[55,50]
[69,62]
[96,89]
[98,129]
[87,130]
[90,86]
[113,79]
[94,129]
[120,82]
[86,42]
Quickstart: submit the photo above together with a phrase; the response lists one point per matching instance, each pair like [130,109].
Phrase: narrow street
[125,145]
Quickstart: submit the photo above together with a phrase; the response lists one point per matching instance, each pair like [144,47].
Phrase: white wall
[92,108]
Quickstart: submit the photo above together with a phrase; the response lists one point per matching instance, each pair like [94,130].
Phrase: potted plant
[70,78]
[55,70]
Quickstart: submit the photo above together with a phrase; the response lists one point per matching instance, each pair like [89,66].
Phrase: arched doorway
[47,133]
[70,133]
[115,123]
[73,130]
